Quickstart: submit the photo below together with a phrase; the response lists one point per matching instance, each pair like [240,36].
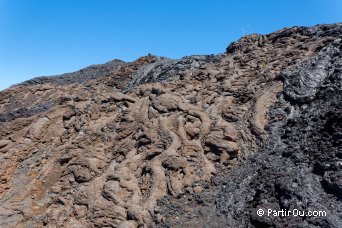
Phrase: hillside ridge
[201,141]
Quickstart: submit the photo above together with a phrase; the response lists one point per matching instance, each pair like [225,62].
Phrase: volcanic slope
[134,144]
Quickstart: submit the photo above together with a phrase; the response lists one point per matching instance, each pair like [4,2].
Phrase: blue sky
[48,37]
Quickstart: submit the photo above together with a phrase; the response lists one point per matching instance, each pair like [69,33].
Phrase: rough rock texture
[300,166]
[200,141]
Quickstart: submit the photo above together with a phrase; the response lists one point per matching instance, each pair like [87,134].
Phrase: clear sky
[48,37]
